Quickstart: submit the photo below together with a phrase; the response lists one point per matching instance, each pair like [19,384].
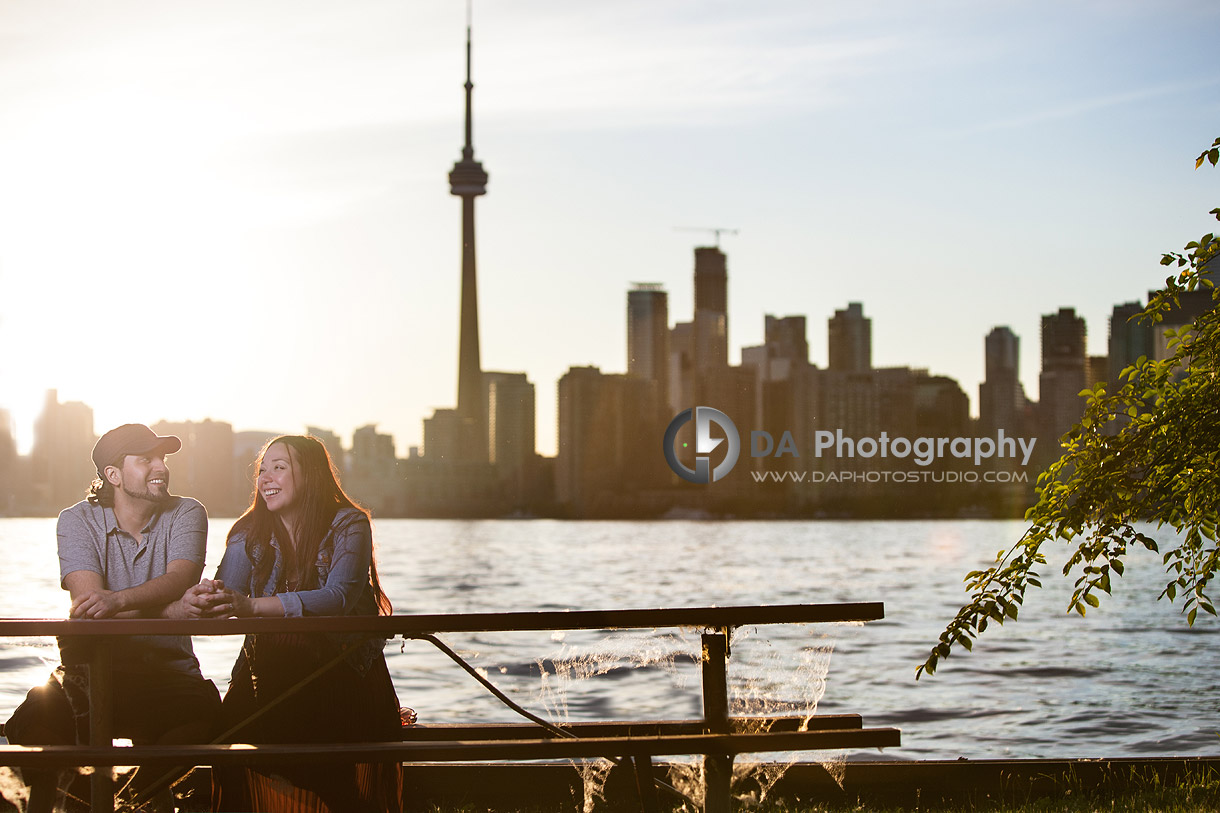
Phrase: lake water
[1130,680]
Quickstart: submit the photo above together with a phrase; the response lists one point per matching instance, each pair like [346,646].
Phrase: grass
[1169,800]
[1192,794]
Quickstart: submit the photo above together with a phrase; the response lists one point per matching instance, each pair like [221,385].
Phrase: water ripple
[1130,679]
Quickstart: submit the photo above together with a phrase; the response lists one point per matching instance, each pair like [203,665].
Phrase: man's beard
[147,494]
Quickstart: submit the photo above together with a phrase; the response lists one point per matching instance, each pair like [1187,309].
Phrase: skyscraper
[851,340]
[681,366]
[1064,364]
[60,466]
[374,473]
[647,330]
[604,467]
[510,408]
[468,180]
[511,447]
[203,467]
[1001,396]
[711,309]
[1129,339]
[1191,305]
[648,335]
[784,396]
[8,464]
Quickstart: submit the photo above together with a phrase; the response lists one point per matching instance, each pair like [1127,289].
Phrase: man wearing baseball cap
[130,549]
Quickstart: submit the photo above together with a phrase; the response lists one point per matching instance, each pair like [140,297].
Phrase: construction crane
[714,231]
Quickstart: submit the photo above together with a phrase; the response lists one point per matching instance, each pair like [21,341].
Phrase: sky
[240,211]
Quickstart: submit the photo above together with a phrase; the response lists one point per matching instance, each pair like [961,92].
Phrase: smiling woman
[303,548]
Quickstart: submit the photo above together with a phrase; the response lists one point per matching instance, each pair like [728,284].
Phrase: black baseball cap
[131,438]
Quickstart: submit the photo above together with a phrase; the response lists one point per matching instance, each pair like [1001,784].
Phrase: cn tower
[468,180]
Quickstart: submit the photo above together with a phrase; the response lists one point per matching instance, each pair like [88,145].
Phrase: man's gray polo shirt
[90,539]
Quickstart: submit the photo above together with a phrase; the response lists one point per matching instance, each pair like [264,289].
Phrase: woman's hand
[240,605]
[208,599]
[219,601]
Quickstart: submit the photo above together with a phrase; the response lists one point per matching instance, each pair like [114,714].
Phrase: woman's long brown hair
[321,497]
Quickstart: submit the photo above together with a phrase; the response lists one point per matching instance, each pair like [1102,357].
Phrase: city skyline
[218,211]
[608,424]
[1000,347]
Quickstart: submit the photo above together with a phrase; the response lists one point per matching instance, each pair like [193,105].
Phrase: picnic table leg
[101,784]
[717,769]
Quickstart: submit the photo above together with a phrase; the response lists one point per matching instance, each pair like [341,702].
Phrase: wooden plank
[566,748]
[695,617]
[717,768]
[625,728]
[101,707]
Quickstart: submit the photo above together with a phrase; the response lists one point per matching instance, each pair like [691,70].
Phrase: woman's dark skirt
[340,705]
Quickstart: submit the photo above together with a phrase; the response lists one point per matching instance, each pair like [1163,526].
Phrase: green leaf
[1147,452]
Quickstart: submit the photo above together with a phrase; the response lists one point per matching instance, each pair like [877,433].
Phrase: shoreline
[924,784]
[502,786]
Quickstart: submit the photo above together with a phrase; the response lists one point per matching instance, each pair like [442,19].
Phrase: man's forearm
[154,594]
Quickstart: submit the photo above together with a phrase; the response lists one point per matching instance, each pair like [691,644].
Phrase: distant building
[699,350]
[1064,375]
[60,465]
[895,388]
[1191,305]
[1097,370]
[711,323]
[681,367]
[579,400]
[1002,401]
[782,387]
[374,478]
[648,335]
[511,442]
[9,461]
[732,390]
[1130,338]
[203,468]
[604,467]
[942,408]
[851,340]
[334,448]
[442,433]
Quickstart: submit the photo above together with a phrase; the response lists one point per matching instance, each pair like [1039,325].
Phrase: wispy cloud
[1081,107]
[631,69]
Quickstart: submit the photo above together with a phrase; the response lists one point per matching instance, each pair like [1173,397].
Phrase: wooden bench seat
[448,750]
[627,728]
